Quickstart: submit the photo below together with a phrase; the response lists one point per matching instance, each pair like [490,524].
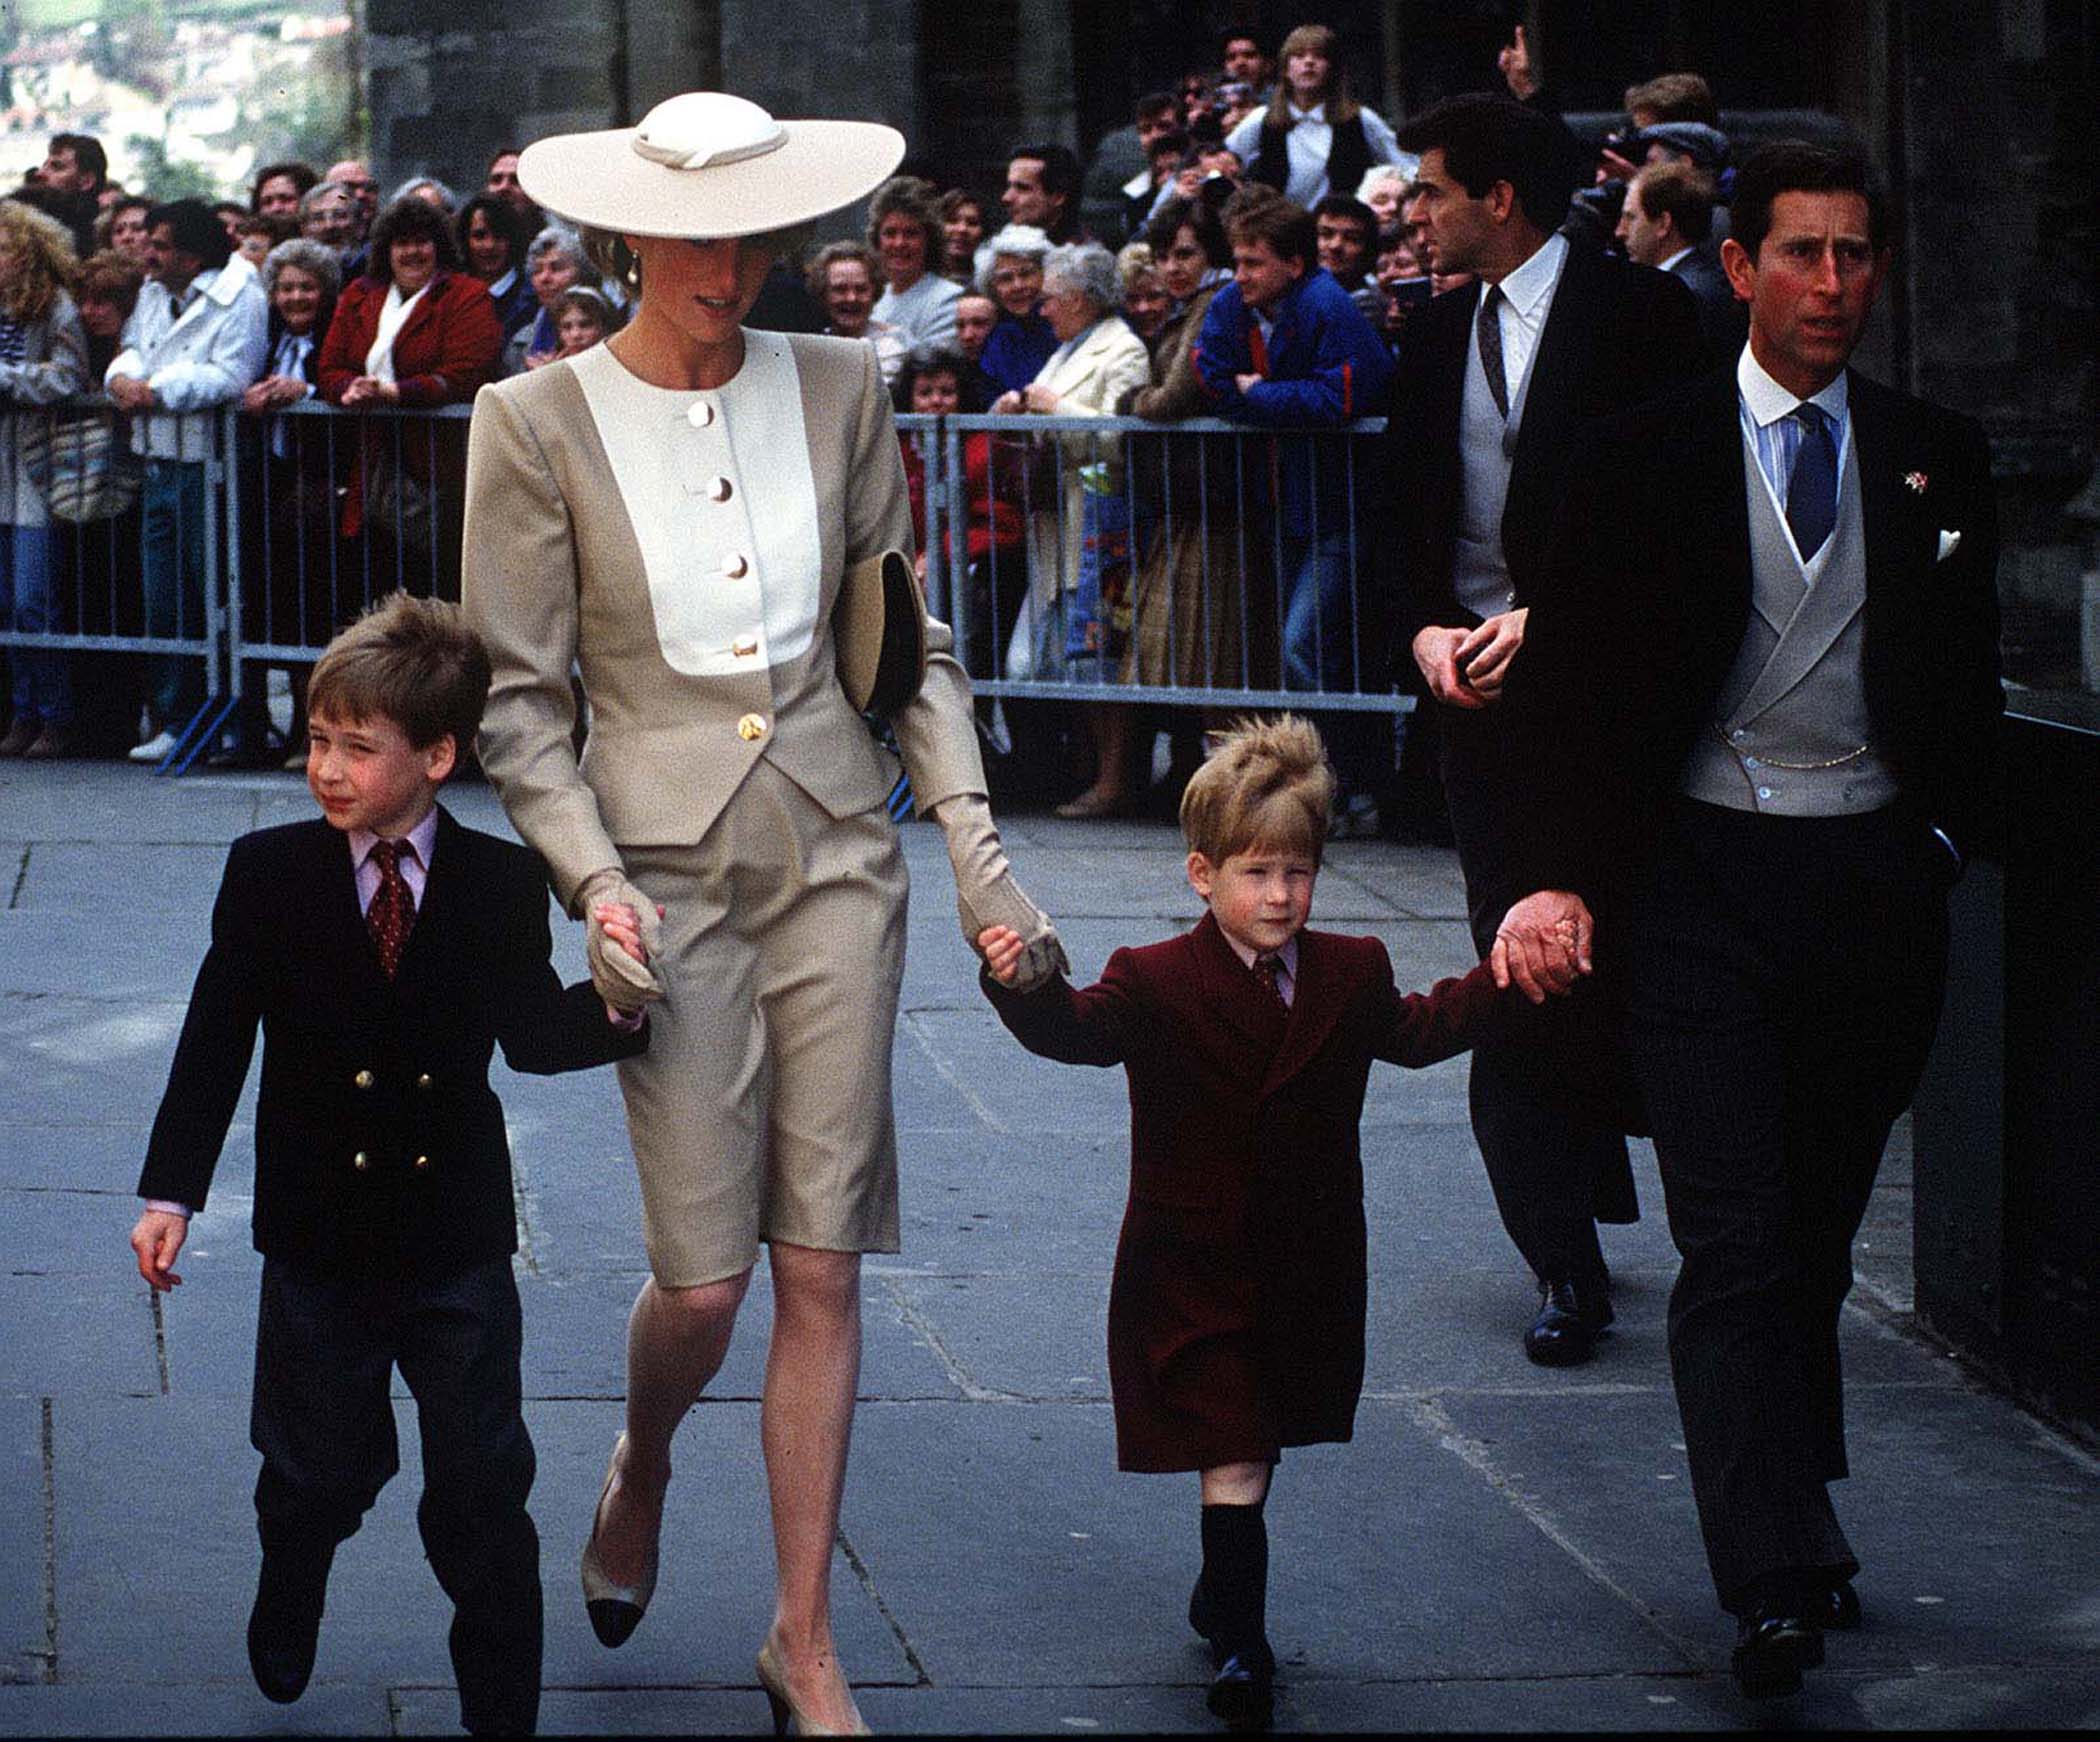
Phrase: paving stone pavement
[1502,1547]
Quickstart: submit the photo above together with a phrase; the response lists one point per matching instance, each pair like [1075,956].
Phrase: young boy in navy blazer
[1236,1314]
[384,951]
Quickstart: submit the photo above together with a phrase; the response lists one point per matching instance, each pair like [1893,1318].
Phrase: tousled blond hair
[44,262]
[1267,784]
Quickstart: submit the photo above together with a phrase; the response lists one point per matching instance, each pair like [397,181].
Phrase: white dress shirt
[1527,299]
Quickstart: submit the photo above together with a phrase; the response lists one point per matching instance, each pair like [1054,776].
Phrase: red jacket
[448,348]
[998,508]
[1236,1317]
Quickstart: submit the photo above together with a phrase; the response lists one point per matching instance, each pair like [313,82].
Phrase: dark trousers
[1543,1096]
[325,1350]
[1786,981]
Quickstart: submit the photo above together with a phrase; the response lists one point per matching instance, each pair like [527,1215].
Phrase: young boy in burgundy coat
[1236,1314]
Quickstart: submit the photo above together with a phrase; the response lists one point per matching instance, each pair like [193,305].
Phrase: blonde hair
[412,661]
[44,262]
[1319,39]
[1267,784]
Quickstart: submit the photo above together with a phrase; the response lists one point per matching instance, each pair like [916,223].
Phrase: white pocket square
[1949,541]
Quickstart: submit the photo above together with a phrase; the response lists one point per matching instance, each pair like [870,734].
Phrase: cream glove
[986,893]
[624,983]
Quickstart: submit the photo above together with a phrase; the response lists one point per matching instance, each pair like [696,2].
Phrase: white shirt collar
[1670,265]
[227,282]
[1531,283]
[1287,955]
[501,286]
[1768,402]
[1318,112]
[423,837]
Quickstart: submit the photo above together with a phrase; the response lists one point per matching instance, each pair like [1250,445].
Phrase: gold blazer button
[361,1161]
[424,1082]
[750,727]
[744,647]
[364,1079]
[718,489]
[422,1164]
[736,565]
[701,415]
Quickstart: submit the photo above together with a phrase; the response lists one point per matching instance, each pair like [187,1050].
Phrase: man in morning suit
[1763,747]
[1667,222]
[1496,388]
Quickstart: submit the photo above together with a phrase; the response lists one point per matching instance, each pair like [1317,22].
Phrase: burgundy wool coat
[1236,1315]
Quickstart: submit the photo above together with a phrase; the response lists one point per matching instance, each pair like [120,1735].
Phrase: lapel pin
[1917,482]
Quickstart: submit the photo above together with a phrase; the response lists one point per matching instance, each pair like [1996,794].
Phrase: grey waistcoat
[1479,570]
[1793,738]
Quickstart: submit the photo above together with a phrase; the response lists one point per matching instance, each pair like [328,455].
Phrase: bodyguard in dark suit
[383,952]
[1498,387]
[1761,683]
[1668,222]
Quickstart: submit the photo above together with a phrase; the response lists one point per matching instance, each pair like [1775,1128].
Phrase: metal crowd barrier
[1187,546]
[1202,564]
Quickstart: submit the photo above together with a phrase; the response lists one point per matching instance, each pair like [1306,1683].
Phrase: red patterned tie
[1266,968]
[392,915]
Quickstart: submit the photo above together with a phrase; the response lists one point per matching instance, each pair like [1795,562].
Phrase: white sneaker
[154,749]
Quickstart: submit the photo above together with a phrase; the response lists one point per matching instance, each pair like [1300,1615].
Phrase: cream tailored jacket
[1089,380]
[554,577]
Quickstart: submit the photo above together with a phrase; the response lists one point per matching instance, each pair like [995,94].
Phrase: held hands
[1001,947]
[1543,944]
[1465,668]
[622,934]
[988,898]
[157,1238]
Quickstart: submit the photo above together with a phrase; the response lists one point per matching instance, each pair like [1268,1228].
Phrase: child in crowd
[582,318]
[1236,1314]
[383,949]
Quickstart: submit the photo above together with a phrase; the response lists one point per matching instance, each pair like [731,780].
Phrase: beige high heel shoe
[787,1716]
[615,1610]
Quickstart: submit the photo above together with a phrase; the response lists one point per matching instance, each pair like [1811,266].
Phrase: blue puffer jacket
[1325,366]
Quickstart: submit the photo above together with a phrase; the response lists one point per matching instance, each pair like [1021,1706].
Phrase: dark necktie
[1266,968]
[1812,492]
[1490,331]
[392,915]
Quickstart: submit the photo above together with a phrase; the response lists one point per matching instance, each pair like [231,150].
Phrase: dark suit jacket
[379,1144]
[1724,319]
[1640,615]
[1236,1318]
[1616,335]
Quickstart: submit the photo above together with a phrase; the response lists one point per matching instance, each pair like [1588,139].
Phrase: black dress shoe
[1570,1316]
[1836,1608]
[285,1623]
[1243,1692]
[1774,1643]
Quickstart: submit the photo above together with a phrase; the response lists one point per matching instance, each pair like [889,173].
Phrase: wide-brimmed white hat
[707,164]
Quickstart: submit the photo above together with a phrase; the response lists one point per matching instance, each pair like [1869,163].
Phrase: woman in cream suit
[1097,361]
[677,513]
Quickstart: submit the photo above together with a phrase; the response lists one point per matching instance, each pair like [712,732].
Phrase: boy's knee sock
[1236,1576]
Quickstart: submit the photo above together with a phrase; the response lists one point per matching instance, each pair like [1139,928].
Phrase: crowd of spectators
[1247,248]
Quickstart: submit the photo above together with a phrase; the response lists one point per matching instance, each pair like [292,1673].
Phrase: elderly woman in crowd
[1384,189]
[428,189]
[288,472]
[43,357]
[1314,137]
[492,238]
[723,834]
[843,277]
[1010,272]
[1097,360]
[413,333]
[553,263]
[904,229]
[962,228]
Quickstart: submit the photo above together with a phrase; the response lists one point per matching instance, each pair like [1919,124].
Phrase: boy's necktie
[1266,968]
[392,915]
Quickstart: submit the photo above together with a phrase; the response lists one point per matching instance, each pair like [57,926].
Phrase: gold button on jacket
[364,1079]
[750,727]
[422,1164]
[361,1161]
[424,1081]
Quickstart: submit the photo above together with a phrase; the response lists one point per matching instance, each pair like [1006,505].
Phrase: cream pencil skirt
[761,1110]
